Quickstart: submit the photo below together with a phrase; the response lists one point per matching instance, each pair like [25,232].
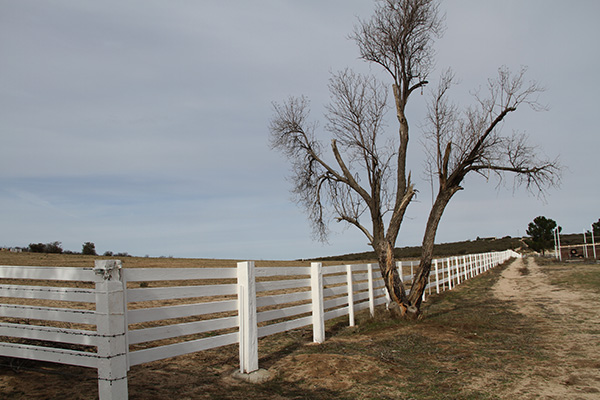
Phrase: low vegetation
[479,245]
[467,338]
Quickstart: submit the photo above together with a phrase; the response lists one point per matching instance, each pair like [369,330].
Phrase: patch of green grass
[573,275]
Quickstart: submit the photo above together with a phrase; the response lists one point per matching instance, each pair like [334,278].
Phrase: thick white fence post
[111,329]
[316,283]
[247,317]
[371,290]
[350,295]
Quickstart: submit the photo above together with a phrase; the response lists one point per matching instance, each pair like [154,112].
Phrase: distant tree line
[53,248]
[88,248]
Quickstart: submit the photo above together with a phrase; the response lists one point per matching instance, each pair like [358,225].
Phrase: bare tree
[365,177]
[363,180]
[471,141]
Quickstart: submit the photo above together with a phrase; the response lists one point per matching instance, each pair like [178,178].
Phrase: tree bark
[391,277]
[422,276]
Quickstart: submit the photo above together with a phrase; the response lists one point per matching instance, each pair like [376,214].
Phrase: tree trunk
[422,276]
[393,283]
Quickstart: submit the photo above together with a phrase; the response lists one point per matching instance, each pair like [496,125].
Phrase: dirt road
[569,327]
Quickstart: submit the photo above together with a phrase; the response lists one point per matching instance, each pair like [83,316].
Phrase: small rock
[258,376]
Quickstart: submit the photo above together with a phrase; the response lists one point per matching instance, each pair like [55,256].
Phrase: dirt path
[569,328]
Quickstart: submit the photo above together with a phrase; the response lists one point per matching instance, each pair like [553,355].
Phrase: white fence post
[437,276]
[593,242]
[471,265]
[371,290]
[247,317]
[450,283]
[400,270]
[350,295]
[316,283]
[111,329]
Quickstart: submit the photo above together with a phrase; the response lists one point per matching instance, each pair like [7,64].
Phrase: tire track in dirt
[568,323]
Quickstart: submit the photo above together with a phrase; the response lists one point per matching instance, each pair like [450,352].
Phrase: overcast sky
[142,125]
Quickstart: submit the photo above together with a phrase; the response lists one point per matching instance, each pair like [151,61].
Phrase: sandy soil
[569,323]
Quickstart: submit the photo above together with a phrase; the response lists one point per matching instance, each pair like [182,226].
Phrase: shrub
[89,249]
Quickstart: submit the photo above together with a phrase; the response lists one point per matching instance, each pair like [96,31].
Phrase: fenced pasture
[111,318]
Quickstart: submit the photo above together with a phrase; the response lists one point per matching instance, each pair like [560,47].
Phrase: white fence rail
[112,318]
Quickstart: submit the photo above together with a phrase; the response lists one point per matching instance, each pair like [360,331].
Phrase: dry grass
[470,345]
[77,260]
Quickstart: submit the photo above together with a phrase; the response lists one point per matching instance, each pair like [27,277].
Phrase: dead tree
[364,182]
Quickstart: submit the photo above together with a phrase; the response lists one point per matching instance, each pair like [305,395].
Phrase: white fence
[111,318]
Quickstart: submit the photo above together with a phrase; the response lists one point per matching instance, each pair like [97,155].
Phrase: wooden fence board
[62,356]
[360,286]
[278,285]
[176,330]
[177,274]
[282,298]
[179,292]
[283,326]
[270,315]
[48,333]
[339,301]
[335,291]
[334,269]
[180,311]
[178,349]
[49,313]
[261,272]
[48,293]
[338,312]
[334,280]
[47,273]
[360,277]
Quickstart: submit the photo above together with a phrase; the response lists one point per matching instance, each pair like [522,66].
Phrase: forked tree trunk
[391,277]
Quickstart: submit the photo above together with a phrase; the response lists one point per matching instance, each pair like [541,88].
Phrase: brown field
[524,330]
[78,260]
